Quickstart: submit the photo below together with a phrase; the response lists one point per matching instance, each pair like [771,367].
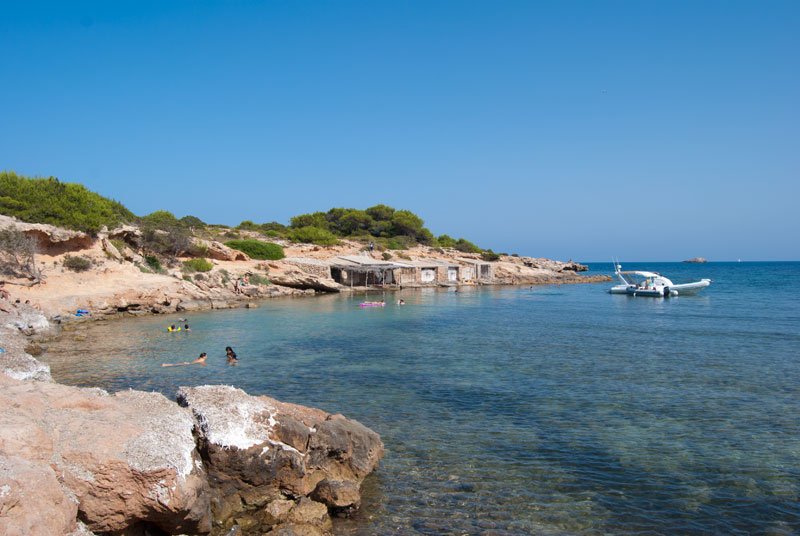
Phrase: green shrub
[153,262]
[225,275]
[59,203]
[313,235]
[248,225]
[256,249]
[257,279]
[386,255]
[399,242]
[77,264]
[273,226]
[466,246]
[200,277]
[197,265]
[446,241]
[490,256]
[193,222]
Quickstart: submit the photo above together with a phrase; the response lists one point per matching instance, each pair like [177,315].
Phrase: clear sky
[567,129]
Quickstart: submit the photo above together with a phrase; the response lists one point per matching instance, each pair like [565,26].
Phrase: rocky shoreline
[216,461]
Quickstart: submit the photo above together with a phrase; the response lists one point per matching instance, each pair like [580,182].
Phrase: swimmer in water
[199,361]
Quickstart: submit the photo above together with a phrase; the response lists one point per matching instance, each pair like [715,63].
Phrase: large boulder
[126,460]
[32,501]
[218,251]
[259,451]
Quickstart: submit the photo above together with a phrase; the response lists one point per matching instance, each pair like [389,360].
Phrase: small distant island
[696,260]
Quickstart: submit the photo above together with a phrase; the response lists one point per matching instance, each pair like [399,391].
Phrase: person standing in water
[231,355]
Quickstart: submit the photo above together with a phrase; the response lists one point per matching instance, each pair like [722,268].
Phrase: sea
[520,410]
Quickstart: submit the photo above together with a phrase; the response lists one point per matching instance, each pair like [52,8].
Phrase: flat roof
[306,260]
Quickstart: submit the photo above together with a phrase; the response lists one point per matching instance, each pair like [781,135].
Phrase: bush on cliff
[59,203]
[313,235]
[197,265]
[379,221]
[466,246]
[256,249]
[164,234]
[77,264]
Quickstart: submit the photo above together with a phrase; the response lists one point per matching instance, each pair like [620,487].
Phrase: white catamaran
[652,284]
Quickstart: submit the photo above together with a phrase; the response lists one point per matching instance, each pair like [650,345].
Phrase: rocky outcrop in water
[261,453]
[696,260]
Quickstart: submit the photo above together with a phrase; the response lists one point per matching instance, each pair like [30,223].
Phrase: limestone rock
[111,250]
[696,260]
[342,497]
[295,278]
[573,266]
[15,362]
[51,240]
[294,529]
[32,502]
[127,460]
[128,233]
[308,512]
[218,251]
[259,450]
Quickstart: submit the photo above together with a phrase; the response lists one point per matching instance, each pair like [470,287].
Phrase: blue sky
[567,129]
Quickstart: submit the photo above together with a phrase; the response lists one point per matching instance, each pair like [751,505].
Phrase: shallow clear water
[544,410]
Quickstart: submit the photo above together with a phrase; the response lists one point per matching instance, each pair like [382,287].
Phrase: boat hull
[687,289]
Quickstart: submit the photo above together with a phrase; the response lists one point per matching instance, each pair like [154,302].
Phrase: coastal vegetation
[197,265]
[71,205]
[59,203]
[79,263]
[256,249]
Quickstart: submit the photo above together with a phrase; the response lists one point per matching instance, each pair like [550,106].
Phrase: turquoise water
[545,410]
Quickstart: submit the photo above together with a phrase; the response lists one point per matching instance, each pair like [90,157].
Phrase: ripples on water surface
[549,410]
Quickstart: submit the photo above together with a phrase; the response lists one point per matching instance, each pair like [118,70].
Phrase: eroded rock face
[260,451]
[125,460]
[50,239]
[295,278]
